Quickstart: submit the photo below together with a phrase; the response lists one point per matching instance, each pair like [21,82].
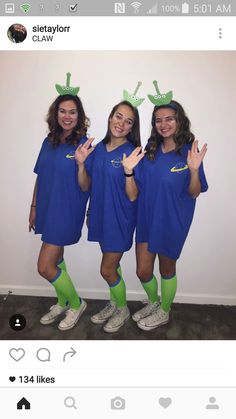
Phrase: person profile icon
[212,404]
[17,323]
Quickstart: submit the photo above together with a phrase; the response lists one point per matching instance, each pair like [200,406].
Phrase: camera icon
[117,403]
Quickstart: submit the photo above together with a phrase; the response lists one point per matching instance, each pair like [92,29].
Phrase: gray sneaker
[117,320]
[156,319]
[72,317]
[104,314]
[54,312]
[148,309]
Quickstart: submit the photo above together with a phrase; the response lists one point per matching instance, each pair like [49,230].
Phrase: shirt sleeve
[36,167]
[204,184]
[138,174]
[89,163]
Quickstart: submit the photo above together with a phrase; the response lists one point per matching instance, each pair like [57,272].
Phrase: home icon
[23,404]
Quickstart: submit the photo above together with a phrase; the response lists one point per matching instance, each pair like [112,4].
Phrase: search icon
[70,402]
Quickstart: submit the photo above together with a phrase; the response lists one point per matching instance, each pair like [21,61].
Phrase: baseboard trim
[131,295]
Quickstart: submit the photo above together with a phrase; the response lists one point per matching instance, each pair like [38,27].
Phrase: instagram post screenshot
[118,208]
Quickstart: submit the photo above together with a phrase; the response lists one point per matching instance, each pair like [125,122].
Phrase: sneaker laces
[107,307]
[117,316]
[56,309]
[70,314]
[150,307]
[157,315]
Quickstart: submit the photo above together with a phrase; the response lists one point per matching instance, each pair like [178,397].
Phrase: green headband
[160,99]
[67,90]
[132,98]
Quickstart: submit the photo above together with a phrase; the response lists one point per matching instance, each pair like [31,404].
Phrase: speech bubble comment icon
[43,355]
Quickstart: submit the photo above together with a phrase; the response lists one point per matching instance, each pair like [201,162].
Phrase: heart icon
[12,379]
[165,402]
[17,354]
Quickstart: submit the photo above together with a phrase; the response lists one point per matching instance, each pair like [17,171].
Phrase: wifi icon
[136,5]
[25,7]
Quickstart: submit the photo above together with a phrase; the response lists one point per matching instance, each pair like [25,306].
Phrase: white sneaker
[72,317]
[104,314]
[54,311]
[156,319]
[117,320]
[148,309]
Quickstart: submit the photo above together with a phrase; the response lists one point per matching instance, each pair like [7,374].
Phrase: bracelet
[33,206]
[129,174]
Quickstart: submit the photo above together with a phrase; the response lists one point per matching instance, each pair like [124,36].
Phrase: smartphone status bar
[121,8]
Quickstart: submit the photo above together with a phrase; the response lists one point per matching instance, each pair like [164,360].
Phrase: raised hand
[130,162]
[84,150]
[195,157]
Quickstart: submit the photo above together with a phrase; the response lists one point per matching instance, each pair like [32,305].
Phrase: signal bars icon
[153,10]
[136,6]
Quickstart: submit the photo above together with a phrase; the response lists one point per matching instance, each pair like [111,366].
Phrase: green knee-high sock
[62,301]
[119,271]
[168,291]
[151,288]
[119,292]
[62,283]
[62,265]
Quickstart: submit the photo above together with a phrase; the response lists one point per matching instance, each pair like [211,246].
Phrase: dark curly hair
[133,136]
[182,136]
[55,130]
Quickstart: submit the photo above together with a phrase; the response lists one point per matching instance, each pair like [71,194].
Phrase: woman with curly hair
[171,177]
[58,204]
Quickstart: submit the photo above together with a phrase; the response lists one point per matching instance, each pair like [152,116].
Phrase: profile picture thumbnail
[17,33]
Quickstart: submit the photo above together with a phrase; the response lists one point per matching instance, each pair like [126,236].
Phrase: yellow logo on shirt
[179,167]
[117,162]
[71,155]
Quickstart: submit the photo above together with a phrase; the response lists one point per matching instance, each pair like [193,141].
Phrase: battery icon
[185,8]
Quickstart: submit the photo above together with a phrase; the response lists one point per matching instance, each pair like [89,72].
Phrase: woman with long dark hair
[171,177]
[58,204]
[113,204]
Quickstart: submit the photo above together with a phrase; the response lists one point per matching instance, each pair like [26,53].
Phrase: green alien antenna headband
[67,90]
[160,99]
[132,98]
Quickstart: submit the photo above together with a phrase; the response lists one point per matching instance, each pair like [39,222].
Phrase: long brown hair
[55,130]
[133,136]
[182,136]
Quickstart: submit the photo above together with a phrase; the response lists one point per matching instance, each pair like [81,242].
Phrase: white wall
[204,82]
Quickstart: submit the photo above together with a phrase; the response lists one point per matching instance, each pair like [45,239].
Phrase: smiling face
[67,116]
[165,122]
[121,122]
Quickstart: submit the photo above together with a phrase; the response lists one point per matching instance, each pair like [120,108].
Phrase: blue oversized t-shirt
[112,215]
[60,203]
[165,207]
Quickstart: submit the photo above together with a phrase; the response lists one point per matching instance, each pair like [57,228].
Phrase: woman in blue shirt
[58,204]
[171,178]
[113,205]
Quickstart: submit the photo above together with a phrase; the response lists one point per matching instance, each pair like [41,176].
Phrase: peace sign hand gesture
[83,151]
[130,162]
[195,157]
